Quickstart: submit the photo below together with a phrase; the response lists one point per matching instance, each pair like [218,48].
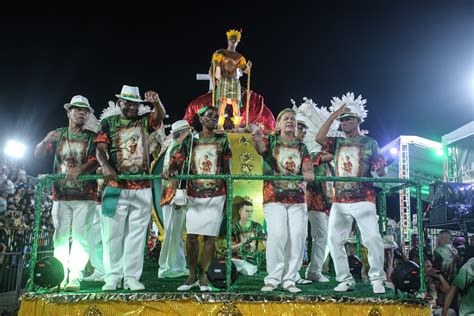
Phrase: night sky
[413,62]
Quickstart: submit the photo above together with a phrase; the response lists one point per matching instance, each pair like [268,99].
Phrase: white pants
[124,235]
[72,219]
[319,237]
[286,229]
[305,236]
[172,260]
[340,224]
[95,243]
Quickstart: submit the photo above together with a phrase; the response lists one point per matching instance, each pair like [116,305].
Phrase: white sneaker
[73,286]
[304,281]
[292,289]
[186,287]
[133,284]
[268,288]
[377,287]
[95,277]
[345,286]
[317,277]
[111,286]
[205,288]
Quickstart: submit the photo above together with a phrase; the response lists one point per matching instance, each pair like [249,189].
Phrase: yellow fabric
[188,307]
[246,160]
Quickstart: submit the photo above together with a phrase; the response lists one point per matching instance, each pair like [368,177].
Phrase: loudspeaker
[48,273]
[406,277]
[355,266]
[216,274]
[441,215]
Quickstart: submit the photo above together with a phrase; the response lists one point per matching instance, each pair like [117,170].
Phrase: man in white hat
[172,260]
[74,201]
[353,200]
[126,204]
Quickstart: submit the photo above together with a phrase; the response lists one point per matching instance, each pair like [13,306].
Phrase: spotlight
[406,277]
[394,151]
[48,273]
[15,149]
[439,152]
[216,274]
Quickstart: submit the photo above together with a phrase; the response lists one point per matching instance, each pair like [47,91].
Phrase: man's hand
[152,96]
[308,176]
[341,110]
[72,173]
[326,157]
[109,173]
[217,74]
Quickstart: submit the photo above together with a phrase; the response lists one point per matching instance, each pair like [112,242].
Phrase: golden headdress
[235,33]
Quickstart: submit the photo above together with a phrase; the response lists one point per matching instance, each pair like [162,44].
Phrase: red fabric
[259,113]
[102,137]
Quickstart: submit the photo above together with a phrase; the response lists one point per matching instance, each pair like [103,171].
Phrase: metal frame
[47,180]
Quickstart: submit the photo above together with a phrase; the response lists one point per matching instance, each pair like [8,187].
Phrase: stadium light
[15,149]
[439,152]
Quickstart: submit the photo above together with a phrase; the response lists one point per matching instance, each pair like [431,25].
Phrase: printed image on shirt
[205,162]
[71,153]
[288,158]
[130,155]
[348,165]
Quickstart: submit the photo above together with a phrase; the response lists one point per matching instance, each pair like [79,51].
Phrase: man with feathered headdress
[353,200]
[229,66]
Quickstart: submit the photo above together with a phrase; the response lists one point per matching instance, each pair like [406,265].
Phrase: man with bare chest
[229,65]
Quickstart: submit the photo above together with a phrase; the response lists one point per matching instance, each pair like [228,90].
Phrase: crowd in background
[17,208]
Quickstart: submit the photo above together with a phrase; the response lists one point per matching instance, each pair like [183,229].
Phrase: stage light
[216,274]
[15,149]
[406,277]
[48,272]
[439,152]
[394,151]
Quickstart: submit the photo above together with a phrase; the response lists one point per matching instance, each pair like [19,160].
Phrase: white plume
[314,117]
[356,106]
[114,109]
[92,123]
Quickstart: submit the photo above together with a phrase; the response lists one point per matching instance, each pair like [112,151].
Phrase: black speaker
[49,272]
[441,215]
[355,266]
[216,274]
[406,277]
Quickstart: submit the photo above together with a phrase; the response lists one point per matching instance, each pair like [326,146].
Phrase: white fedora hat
[130,93]
[179,126]
[79,101]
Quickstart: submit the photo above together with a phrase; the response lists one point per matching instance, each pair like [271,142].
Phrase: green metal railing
[47,180]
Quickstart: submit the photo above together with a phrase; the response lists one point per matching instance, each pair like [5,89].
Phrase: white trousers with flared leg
[340,224]
[172,260]
[319,237]
[72,219]
[286,229]
[124,234]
